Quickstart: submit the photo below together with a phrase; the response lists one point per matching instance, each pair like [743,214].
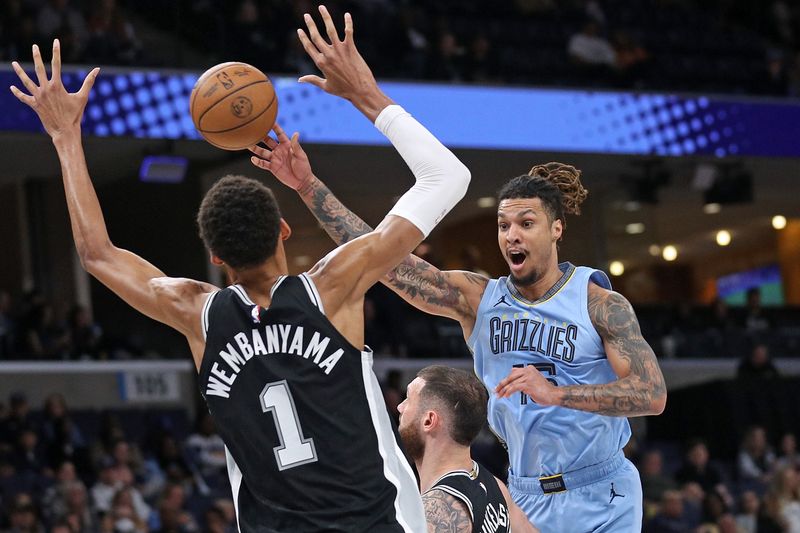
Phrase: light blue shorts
[606,497]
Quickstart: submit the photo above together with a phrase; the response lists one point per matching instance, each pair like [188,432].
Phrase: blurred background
[682,114]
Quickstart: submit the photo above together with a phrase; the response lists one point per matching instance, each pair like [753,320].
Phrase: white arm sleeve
[442,179]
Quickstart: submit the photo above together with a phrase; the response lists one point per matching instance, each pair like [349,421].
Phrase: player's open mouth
[517,258]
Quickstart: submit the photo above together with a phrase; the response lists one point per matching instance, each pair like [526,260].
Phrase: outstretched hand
[346,73]
[58,110]
[527,380]
[284,158]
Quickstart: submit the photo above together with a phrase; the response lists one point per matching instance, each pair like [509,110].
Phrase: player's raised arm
[135,280]
[441,178]
[454,294]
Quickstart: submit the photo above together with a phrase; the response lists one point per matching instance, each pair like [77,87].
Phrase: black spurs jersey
[309,443]
[478,490]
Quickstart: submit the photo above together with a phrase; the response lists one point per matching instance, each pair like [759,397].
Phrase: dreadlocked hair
[557,185]
[568,180]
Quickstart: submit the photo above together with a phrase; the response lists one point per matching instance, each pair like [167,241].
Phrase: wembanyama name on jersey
[277,338]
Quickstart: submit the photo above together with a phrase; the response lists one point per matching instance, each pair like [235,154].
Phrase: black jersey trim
[277,284]
[449,474]
[456,494]
[313,294]
[204,313]
[239,290]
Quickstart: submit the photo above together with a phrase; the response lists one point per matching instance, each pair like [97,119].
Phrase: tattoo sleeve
[642,391]
[338,221]
[417,281]
[445,514]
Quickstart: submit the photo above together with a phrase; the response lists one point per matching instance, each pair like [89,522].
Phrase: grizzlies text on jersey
[556,335]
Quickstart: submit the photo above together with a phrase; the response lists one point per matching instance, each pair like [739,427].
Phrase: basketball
[233,105]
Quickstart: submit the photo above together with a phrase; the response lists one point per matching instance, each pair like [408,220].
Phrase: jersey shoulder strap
[458,484]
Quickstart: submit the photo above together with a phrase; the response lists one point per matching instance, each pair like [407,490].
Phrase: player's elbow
[461,178]
[659,402]
[92,257]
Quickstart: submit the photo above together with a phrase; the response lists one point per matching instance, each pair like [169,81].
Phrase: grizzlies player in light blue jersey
[562,352]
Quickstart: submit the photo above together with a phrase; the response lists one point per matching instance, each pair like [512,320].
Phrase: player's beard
[412,441]
[528,279]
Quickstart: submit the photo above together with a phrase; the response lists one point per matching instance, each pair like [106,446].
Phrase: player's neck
[258,280]
[535,290]
[438,461]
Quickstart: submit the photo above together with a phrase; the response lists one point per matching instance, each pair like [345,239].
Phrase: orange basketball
[233,105]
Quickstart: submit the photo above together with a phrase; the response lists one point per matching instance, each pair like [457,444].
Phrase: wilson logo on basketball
[241,106]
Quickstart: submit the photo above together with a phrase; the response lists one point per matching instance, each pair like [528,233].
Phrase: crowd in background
[119,472]
[729,46]
[99,472]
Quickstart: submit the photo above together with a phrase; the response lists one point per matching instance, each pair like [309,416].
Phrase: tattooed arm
[640,389]
[445,513]
[453,294]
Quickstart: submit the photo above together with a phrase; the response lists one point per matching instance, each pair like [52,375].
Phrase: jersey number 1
[294,450]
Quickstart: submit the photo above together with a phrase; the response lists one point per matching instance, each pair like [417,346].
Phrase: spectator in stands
[755,320]
[714,509]
[172,515]
[697,467]
[480,63]
[52,508]
[412,20]
[124,514]
[785,489]
[755,459]
[631,59]
[112,38]
[669,518]
[693,498]
[789,456]
[774,79]
[248,40]
[106,485]
[447,60]
[43,336]
[57,18]
[758,365]
[588,48]
[215,521]
[86,336]
[747,518]
[18,419]
[62,439]
[29,458]
[23,516]
[126,482]
[206,450]
[654,482]
[18,25]
[73,506]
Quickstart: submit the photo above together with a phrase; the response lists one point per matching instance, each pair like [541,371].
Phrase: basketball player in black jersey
[281,359]
[442,414]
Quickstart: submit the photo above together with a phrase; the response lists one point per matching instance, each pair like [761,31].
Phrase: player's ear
[556,229]
[430,420]
[286,230]
[216,261]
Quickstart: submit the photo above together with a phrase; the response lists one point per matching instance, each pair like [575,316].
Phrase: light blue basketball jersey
[556,335]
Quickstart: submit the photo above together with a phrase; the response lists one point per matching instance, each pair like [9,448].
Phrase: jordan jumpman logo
[614,494]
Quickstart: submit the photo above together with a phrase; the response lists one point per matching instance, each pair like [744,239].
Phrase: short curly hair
[557,185]
[239,221]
